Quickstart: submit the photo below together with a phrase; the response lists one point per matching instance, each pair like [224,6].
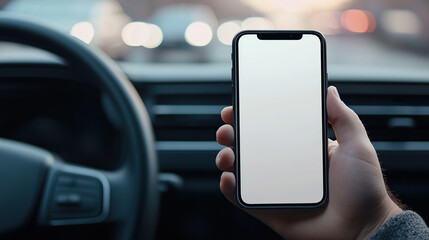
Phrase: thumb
[345,121]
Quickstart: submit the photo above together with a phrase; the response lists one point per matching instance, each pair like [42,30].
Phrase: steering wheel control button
[76,196]
[71,199]
[65,181]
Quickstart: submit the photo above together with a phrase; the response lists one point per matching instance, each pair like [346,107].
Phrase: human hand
[359,202]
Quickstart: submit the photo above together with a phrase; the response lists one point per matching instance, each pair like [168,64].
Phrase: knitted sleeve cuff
[406,225]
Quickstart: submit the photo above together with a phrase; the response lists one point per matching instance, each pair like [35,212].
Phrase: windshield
[364,32]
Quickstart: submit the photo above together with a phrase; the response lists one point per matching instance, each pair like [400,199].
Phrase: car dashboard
[43,104]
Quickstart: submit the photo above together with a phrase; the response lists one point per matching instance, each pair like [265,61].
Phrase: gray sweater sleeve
[406,225]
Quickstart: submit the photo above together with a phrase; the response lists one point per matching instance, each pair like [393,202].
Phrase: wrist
[387,211]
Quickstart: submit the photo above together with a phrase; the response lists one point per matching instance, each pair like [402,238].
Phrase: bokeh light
[133,34]
[358,21]
[83,31]
[227,30]
[198,34]
[142,34]
[155,36]
[401,21]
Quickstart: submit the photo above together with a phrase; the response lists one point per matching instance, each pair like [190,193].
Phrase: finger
[225,160]
[227,186]
[225,135]
[226,115]
[332,145]
[345,122]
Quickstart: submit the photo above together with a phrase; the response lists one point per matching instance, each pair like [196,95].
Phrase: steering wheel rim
[139,172]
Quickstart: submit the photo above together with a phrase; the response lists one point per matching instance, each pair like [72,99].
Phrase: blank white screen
[280,109]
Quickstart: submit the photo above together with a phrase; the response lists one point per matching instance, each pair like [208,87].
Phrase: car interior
[106,133]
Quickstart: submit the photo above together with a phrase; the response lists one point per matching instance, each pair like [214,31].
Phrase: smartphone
[279,88]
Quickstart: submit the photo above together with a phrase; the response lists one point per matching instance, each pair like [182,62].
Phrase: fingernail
[336,93]
[218,157]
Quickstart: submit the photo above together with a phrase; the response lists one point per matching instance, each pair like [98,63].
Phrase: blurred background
[365,32]
[177,55]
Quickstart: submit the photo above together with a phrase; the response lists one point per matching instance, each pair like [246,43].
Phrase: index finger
[226,115]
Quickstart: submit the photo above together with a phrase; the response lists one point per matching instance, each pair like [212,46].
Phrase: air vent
[396,116]
[394,112]
[188,112]
[185,118]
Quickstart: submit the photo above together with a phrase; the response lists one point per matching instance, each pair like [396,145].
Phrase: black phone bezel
[280,35]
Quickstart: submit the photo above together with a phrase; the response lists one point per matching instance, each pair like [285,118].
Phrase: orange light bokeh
[358,21]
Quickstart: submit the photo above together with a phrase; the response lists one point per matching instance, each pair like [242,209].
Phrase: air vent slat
[187,109]
[401,146]
[214,146]
[391,110]
[188,146]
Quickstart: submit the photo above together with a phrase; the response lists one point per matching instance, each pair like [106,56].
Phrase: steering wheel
[37,184]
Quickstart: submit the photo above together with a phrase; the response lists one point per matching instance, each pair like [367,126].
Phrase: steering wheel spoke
[74,195]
